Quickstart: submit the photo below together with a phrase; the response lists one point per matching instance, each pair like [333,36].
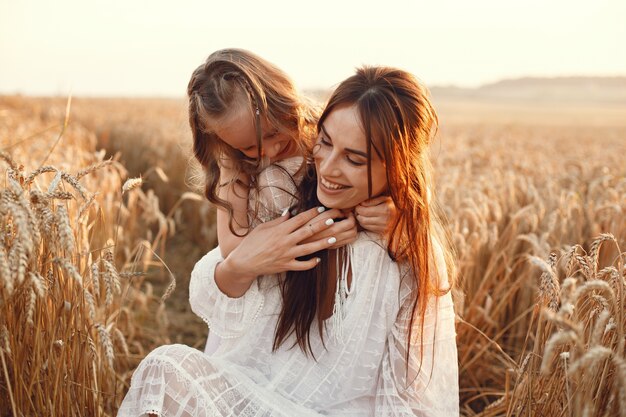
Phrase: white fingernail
[320,209]
[285,211]
[318,260]
[332,240]
[329,222]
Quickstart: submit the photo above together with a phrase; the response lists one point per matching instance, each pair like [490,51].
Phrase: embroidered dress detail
[341,293]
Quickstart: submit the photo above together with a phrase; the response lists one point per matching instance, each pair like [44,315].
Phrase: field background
[524,169]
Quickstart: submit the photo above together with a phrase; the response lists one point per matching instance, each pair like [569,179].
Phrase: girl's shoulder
[281,172]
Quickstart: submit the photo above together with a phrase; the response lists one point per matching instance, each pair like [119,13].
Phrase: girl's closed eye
[271,135]
[325,141]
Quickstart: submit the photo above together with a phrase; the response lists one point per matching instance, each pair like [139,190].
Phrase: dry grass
[515,195]
[535,197]
[76,312]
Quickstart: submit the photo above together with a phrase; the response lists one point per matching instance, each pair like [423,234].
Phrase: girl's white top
[362,373]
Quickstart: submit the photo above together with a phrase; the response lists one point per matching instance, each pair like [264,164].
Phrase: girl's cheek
[318,151]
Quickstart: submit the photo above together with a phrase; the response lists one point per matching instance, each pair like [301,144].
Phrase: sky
[150,48]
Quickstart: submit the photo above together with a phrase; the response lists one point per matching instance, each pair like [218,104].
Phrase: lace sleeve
[429,386]
[277,190]
[226,317]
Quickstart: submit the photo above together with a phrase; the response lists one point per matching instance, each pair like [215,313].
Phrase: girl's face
[238,131]
[341,161]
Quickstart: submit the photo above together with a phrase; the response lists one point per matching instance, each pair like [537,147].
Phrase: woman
[353,338]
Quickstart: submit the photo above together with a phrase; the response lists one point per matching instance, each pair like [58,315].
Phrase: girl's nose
[273,150]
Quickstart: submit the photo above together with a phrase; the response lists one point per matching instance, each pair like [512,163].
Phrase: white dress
[362,373]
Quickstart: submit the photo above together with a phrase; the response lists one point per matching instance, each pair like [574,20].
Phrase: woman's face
[238,131]
[341,161]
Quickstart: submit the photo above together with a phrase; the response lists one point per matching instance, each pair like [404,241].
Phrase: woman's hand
[273,247]
[343,230]
[376,215]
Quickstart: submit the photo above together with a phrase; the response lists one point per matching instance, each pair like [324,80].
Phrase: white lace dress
[362,373]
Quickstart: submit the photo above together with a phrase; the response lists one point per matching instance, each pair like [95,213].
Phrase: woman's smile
[331,187]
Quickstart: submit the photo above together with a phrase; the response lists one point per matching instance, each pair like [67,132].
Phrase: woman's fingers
[302,265]
[278,220]
[338,226]
[346,231]
[309,248]
[314,226]
[343,232]
[303,218]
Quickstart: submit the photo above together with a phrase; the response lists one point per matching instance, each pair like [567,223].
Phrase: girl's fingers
[369,222]
[374,201]
[373,211]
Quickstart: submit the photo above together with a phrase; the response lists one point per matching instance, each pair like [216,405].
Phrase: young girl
[369,332]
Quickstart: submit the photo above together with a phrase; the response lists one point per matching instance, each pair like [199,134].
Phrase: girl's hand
[273,247]
[344,231]
[376,215]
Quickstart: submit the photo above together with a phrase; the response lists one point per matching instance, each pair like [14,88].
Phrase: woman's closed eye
[352,159]
[355,162]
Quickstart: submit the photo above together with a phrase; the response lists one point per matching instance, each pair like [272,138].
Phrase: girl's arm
[235,191]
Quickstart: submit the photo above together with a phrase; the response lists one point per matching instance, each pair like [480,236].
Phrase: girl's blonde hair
[214,91]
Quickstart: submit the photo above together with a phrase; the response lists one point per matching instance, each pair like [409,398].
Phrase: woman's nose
[327,164]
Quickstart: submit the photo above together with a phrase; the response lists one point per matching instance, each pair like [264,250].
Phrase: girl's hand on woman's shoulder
[376,214]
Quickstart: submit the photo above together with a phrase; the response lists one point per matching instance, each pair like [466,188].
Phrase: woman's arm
[227,317]
[272,248]
[429,385]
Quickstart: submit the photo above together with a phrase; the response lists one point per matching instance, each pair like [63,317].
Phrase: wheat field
[102,222]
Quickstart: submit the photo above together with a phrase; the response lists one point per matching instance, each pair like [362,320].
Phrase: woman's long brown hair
[213,91]
[399,122]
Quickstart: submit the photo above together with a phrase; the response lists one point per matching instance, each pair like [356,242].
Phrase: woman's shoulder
[369,253]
